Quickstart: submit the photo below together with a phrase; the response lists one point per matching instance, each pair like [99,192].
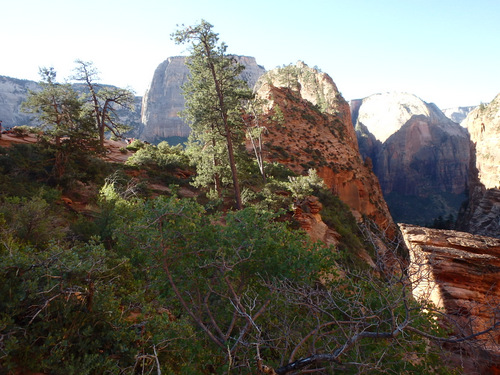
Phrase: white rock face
[12,93]
[164,100]
[458,114]
[483,124]
[384,114]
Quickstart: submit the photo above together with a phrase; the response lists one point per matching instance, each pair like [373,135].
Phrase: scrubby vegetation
[140,280]
[140,284]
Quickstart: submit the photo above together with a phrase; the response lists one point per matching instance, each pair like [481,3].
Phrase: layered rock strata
[460,273]
[13,92]
[316,133]
[420,156]
[482,215]
[163,101]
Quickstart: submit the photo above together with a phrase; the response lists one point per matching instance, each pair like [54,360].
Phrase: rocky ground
[460,272]
[113,153]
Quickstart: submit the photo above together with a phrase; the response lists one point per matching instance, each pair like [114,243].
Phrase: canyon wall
[482,214]
[164,100]
[420,156]
[458,114]
[459,272]
[316,133]
[13,92]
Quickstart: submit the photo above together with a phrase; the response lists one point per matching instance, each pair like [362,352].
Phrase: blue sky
[446,52]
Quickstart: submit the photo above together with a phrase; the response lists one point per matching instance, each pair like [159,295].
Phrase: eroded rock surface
[420,156]
[316,133]
[460,273]
[458,114]
[12,93]
[482,215]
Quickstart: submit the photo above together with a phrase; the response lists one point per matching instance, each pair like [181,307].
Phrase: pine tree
[214,97]
[63,118]
[104,101]
[58,108]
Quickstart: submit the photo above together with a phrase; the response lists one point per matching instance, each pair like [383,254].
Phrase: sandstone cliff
[317,133]
[164,99]
[420,156]
[482,215]
[459,272]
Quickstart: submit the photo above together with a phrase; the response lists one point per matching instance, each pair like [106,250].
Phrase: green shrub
[22,131]
[135,145]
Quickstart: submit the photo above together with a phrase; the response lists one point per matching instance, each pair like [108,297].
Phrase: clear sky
[444,51]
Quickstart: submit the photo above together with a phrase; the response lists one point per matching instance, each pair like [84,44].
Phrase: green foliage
[210,261]
[24,168]
[277,116]
[61,311]
[163,156]
[102,102]
[174,286]
[214,104]
[302,186]
[22,131]
[59,109]
[31,220]
[135,145]
[337,215]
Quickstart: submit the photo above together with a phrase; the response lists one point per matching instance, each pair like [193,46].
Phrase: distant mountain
[420,156]
[13,92]
[458,114]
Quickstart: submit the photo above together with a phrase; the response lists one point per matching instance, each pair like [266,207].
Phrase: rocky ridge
[459,272]
[164,100]
[482,215]
[302,136]
[13,92]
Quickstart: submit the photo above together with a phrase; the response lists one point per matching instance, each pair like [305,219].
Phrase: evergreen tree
[214,97]
[63,118]
[104,101]
[58,108]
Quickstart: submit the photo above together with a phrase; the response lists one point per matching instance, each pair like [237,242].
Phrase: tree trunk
[227,130]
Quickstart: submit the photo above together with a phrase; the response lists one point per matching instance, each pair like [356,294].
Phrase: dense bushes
[190,292]
[144,284]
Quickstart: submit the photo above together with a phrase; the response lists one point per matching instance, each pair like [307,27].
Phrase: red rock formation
[309,218]
[302,136]
[420,156]
[460,273]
